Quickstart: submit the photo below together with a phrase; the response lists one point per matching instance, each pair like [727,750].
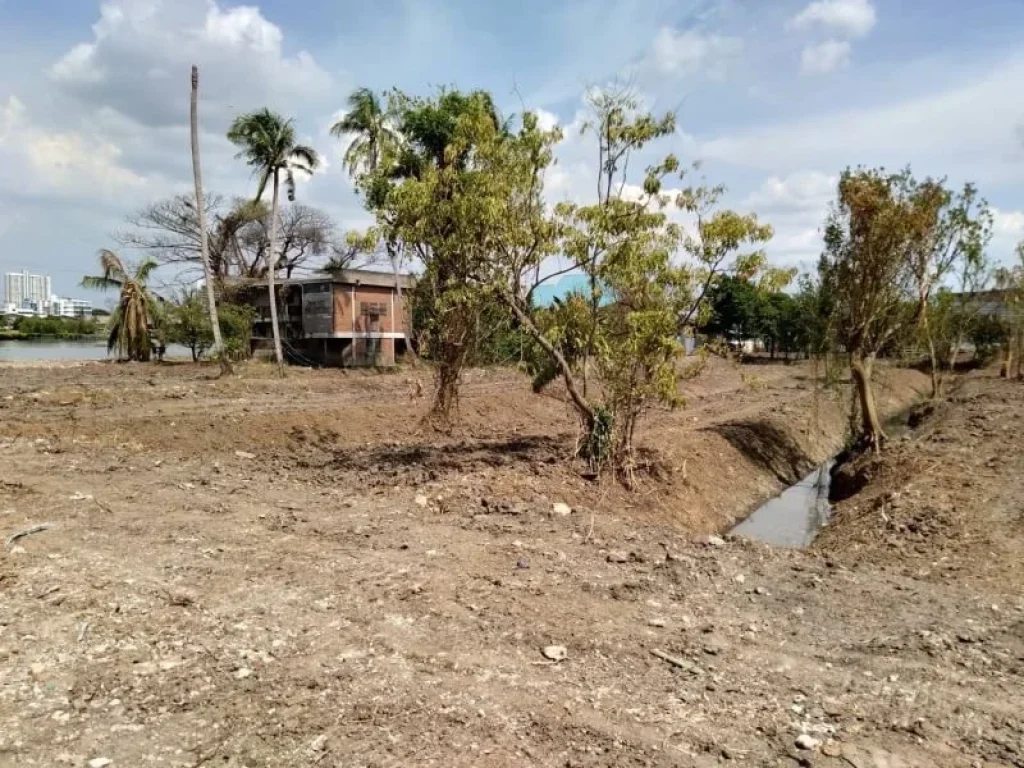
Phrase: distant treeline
[61,327]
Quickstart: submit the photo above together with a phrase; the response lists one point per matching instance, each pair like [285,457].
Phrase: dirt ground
[288,572]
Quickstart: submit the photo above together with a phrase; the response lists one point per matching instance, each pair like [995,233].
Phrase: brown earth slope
[297,605]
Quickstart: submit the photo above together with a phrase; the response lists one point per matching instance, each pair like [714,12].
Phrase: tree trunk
[271,250]
[860,367]
[204,244]
[935,367]
[585,410]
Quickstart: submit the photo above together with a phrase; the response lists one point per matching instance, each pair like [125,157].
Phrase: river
[66,349]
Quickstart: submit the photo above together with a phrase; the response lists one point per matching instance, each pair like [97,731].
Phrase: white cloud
[854,18]
[239,52]
[967,131]
[1008,223]
[825,57]
[62,162]
[545,120]
[798,192]
[686,53]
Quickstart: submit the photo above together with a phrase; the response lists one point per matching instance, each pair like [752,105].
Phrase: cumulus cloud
[825,57]
[798,192]
[853,18]
[691,52]
[545,120]
[139,59]
[36,160]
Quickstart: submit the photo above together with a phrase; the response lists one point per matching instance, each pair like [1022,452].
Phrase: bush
[188,323]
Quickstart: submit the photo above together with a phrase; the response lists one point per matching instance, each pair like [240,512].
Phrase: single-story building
[351,318]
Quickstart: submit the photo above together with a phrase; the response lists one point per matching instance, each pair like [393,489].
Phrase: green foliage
[267,143]
[56,326]
[187,322]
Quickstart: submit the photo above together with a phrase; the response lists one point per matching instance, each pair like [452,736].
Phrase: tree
[187,323]
[131,326]
[1010,284]
[204,248]
[373,137]
[878,226]
[953,229]
[267,143]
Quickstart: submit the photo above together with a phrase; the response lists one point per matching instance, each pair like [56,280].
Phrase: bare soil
[259,571]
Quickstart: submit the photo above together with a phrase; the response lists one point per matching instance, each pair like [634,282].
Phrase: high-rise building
[21,287]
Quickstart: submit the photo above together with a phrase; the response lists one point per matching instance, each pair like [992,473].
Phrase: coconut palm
[131,325]
[374,137]
[267,143]
[204,244]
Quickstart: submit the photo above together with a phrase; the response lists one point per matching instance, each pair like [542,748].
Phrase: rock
[760,591]
[245,455]
[714,541]
[805,741]
[17,549]
[618,556]
[656,622]
[832,750]
[100,762]
[561,509]
[740,578]
[522,563]
[243,673]
[555,652]
[319,743]
[422,501]
[37,669]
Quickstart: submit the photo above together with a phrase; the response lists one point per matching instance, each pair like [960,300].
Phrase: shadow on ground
[767,446]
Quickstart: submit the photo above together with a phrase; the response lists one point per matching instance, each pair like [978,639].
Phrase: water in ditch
[794,517]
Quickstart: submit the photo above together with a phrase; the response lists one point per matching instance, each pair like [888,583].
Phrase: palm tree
[130,325]
[267,143]
[374,137]
[204,243]
[375,142]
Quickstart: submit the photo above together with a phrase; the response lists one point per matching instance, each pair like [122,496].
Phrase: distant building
[63,307]
[21,287]
[352,318]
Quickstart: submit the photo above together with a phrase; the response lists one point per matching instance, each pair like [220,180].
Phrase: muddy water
[794,517]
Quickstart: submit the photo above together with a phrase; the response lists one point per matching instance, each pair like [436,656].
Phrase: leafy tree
[733,308]
[132,326]
[188,324]
[953,230]
[267,142]
[879,224]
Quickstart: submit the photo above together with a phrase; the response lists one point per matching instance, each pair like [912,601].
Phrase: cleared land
[267,572]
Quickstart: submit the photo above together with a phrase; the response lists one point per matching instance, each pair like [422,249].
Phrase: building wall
[354,312]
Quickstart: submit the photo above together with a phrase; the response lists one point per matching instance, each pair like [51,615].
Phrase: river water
[64,349]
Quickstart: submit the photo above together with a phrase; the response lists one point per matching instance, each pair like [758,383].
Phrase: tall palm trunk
[204,244]
[271,264]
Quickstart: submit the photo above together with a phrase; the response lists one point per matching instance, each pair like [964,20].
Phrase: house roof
[344,277]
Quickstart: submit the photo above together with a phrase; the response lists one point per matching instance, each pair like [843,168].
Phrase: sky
[774,97]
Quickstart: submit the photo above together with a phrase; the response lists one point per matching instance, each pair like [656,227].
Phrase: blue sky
[775,97]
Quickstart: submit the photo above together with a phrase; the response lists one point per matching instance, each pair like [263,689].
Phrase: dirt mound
[951,487]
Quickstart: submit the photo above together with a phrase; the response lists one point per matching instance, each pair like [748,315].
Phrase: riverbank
[226,556]
[19,336]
